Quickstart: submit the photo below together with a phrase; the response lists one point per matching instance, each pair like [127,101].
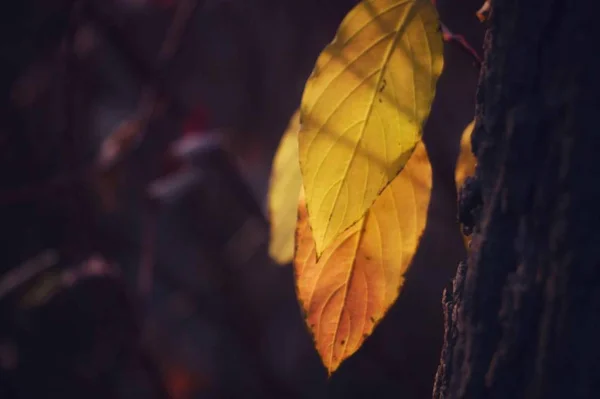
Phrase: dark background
[174,295]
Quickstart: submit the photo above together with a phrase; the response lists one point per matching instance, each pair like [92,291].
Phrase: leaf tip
[483,12]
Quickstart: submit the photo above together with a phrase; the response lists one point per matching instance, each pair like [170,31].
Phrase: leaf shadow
[351,67]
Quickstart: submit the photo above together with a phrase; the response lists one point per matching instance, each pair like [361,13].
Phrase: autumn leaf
[363,109]
[349,289]
[483,12]
[465,164]
[284,191]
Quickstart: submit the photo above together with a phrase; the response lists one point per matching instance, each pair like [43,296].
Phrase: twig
[26,271]
[172,41]
[146,110]
[460,39]
[151,77]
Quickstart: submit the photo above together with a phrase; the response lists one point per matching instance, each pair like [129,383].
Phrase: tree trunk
[523,315]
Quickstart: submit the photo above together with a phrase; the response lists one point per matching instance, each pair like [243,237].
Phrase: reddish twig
[460,39]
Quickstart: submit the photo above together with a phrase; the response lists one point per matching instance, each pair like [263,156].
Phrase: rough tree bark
[523,315]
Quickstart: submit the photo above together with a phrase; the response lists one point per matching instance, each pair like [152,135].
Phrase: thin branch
[150,76]
[464,44]
[148,103]
[172,42]
[20,275]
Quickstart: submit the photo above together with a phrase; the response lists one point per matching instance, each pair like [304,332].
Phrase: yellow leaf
[363,109]
[284,191]
[349,289]
[465,164]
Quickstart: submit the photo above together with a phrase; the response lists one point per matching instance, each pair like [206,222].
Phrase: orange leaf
[483,12]
[465,164]
[360,275]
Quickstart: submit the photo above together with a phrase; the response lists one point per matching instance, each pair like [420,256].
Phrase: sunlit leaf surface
[349,289]
[284,191]
[363,109]
[465,164]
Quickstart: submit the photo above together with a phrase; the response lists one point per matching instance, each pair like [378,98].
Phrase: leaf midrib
[382,69]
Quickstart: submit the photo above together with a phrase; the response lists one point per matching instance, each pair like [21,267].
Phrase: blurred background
[136,139]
